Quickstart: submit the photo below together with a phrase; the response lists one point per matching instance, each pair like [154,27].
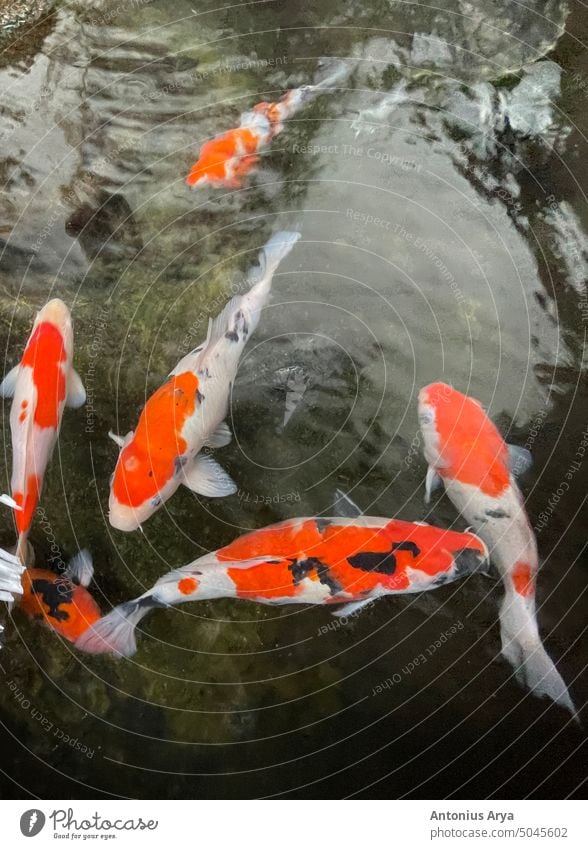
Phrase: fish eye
[426,417]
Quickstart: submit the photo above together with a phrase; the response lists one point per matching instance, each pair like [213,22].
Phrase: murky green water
[441,201]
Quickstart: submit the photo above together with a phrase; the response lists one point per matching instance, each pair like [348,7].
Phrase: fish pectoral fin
[121,441]
[519,460]
[8,385]
[206,477]
[432,482]
[343,506]
[10,502]
[352,608]
[80,568]
[76,394]
[221,437]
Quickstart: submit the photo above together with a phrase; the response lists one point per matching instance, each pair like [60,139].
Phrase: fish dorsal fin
[76,394]
[432,482]
[8,385]
[188,363]
[121,441]
[10,502]
[344,507]
[80,568]
[519,460]
[217,327]
[205,477]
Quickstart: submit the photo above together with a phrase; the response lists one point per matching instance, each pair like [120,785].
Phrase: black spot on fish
[382,561]
[326,578]
[54,594]
[240,316]
[440,580]
[148,603]
[498,514]
[232,335]
[374,561]
[468,561]
[155,502]
[179,463]
[322,525]
[407,546]
[199,396]
[301,568]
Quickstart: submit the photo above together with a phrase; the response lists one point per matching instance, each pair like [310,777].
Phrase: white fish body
[214,366]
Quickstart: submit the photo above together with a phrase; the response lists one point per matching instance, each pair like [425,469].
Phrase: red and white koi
[468,455]
[41,385]
[187,413]
[331,561]
[226,160]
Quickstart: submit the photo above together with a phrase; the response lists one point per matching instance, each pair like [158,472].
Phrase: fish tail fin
[332,71]
[522,647]
[115,632]
[274,251]
[11,569]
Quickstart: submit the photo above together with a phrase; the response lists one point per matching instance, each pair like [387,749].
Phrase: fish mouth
[124,518]
[469,561]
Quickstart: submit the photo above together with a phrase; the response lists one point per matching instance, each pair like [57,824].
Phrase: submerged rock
[15,14]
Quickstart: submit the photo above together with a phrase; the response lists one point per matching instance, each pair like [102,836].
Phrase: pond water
[440,194]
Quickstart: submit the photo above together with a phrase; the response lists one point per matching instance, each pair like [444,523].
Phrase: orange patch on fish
[187,586]
[288,539]
[44,354]
[268,580]
[523,579]
[472,449]
[148,462]
[28,502]
[216,153]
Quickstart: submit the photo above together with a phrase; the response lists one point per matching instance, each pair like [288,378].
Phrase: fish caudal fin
[11,569]
[240,316]
[522,647]
[274,251]
[115,632]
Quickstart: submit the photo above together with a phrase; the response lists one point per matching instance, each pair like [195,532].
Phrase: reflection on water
[439,193]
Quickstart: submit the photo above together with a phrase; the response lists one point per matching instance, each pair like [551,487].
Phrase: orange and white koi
[41,384]
[61,601]
[468,455]
[187,413]
[332,561]
[226,160]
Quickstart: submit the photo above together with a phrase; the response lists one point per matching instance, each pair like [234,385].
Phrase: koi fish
[332,561]
[41,384]
[187,413]
[226,160]
[62,601]
[468,455]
